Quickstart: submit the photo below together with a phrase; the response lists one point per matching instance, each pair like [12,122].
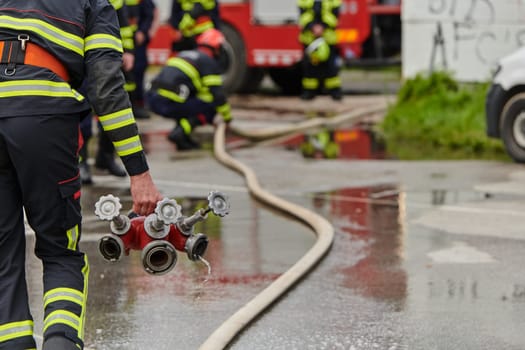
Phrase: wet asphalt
[427,255]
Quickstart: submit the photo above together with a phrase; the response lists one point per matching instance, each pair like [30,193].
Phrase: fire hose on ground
[229,329]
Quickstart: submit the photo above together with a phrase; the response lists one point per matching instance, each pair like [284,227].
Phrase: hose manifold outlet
[158,257]
[111,247]
[196,246]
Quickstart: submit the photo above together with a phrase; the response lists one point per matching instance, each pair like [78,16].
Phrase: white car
[505,105]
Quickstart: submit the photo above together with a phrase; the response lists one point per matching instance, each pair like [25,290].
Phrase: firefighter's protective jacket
[87,41]
[323,12]
[193,17]
[193,74]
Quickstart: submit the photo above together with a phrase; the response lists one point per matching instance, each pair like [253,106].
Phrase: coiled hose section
[225,333]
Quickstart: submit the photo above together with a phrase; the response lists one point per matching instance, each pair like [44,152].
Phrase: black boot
[307,95]
[337,94]
[83,166]
[181,140]
[105,159]
[59,343]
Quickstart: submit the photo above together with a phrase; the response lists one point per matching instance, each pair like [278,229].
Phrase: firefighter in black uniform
[190,18]
[189,89]
[49,47]
[141,18]
[105,157]
[321,62]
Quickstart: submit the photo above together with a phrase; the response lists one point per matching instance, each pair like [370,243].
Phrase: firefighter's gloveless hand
[128,60]
[144,193]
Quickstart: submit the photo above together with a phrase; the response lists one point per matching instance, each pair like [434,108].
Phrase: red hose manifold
[158,235]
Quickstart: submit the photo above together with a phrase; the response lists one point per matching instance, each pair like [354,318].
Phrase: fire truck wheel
[237,72]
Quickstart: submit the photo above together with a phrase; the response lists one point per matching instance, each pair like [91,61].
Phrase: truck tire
[513,127]
[238,77]
[288,79]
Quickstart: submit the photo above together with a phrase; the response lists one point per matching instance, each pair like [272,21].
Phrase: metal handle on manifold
[218,204]
[167,212]
[108,208]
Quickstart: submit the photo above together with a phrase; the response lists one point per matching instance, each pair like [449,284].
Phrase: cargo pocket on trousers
[70,193]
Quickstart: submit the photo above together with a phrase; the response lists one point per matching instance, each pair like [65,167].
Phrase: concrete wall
[475,34]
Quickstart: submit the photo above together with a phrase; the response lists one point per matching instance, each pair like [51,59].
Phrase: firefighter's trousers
[39,173]
[196,111]
[324,75]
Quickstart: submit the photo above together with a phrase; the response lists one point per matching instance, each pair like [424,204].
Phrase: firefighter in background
[49,47]
[189,89]
[321,62]
[141,16]
[105,157]
[189,19]
[147,24]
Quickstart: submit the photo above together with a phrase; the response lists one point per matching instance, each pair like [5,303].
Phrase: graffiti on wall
[468,32]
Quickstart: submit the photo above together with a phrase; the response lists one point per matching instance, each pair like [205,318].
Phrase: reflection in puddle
[370,218]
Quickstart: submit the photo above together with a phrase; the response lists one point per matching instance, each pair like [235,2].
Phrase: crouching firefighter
[48,47]
[189,89]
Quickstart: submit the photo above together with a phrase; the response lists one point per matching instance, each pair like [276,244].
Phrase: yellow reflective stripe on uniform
[205,96]
[306,18]
[85,272]
[126,32]
[102,41]
[117,119]
[202,27]
[72,238]
[208,4]
[310,83]
[130,86]
[330,19]
[13,330]
[117,4]
[128,44]
[225,111]
[186,5]
[185,125]
[333,82]
[64,294]
[38,88]
[212,80]
[62,317]
[225,108]
[58,36]
[132,2]
[305,3]
[170,95]
[128,146]
[188,69]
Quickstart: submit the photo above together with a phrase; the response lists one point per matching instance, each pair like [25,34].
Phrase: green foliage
[437,118]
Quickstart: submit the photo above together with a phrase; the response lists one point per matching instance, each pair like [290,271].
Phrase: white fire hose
[224,334]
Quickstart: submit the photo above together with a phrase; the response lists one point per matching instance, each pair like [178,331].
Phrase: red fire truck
[262,38]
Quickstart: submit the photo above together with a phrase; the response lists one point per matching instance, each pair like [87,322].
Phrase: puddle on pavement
[369,228]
